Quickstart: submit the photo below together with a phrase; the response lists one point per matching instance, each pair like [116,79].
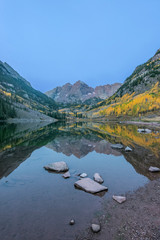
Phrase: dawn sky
[53,42]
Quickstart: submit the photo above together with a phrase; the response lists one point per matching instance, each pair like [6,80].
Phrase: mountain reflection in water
[17,142]
[36,204]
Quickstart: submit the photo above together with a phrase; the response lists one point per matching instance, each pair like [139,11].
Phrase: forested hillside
[139,95]
[17,96]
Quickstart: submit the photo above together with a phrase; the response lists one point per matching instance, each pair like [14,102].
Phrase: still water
[37,204]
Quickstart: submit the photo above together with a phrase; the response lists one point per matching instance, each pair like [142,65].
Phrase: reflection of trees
[17,142]
[128,135]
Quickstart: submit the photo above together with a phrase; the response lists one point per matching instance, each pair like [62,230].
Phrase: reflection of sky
[31,194]
[119,175]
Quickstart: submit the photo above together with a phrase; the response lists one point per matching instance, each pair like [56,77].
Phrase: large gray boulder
[90,186]
[57,167]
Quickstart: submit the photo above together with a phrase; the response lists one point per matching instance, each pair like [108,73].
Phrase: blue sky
[53,42]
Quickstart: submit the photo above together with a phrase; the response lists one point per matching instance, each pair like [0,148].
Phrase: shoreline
[152,124]
[137,218]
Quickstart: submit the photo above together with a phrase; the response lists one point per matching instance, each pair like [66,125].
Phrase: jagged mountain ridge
[19,99]
[81,92]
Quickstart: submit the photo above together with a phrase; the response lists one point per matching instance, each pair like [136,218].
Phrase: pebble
[83,175]
[95,228]
[119,199]
[72,222]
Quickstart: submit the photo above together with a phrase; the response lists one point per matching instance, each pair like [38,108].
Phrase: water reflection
[36,204]
[17,142]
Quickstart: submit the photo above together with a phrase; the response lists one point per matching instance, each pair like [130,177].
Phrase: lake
[37,204]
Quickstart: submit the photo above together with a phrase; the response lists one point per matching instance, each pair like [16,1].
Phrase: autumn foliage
[133,105]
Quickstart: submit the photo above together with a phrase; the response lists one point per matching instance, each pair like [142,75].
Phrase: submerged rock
[57,167]
[83,175]
[95,227]
[66,175]
[118,146]
[154,169]
[90,186]
[119,199]
[98,178]
[128,149]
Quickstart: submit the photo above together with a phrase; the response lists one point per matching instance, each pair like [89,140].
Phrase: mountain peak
[67,84]
[80,82]
[80,92]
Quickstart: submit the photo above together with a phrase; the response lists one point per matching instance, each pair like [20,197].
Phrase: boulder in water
[57,167]
[98,178]
[90,186]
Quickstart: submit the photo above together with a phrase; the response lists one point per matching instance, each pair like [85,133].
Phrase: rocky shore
[137,218]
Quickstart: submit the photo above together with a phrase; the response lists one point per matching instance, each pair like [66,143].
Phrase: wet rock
[117,146]
[57,167]
[128,149]
[154,169]
[90,186]
[98,178]
[72,222]
[66,175]
[95,227]
[83,175]
[119,199]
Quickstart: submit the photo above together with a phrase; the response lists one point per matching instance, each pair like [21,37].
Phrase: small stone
[66,175]
[128,149]
[72,222]
[95,228]
[83,175]
[119,199]
[98,178]
[154,169]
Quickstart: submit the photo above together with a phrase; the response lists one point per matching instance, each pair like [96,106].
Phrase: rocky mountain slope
[80,92]
[139,95]
[19,100]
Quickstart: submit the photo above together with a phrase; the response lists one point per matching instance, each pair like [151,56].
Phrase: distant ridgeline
[18,98]
[81,93]
[139,95]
